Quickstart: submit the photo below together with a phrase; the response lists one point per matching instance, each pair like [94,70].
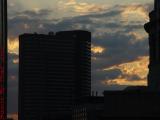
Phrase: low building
[89,108]
[131,104]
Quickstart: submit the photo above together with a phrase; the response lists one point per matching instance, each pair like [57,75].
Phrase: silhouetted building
[116,105]
[54,73]
[131,105]
[153,29]
[3,59]
[136,88]
[89,108]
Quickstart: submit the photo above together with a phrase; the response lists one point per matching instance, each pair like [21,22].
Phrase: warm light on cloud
[41,26]
[97,49]
[36,9]
[129,70]
[138,35]
[81,8]
[11,4]
[13,46]
[135,12]
[16,61]
[85,8]
[121,81]
[71,2]
[26,26]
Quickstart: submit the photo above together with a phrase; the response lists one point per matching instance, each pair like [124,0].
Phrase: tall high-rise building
[3,59]
[54,72]
[153,29]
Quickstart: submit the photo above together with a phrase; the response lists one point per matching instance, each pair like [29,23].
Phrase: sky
[119,42]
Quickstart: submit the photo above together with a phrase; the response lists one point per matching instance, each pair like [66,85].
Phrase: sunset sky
[119,42]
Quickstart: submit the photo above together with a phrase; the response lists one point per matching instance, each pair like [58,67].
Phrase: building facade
[54,72]
[3,59]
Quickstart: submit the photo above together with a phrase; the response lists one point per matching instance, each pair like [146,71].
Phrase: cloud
[82,8]
[97,49]
[133,73]
[15,61]
[138,35]
[71,2]
[13,45]
[85,8]
[26,26]
[132,11]
[121,81]
[35,13]
[118,42]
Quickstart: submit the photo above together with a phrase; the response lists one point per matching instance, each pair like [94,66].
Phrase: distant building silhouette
[153,29]
[131,105]
[3,59]
[89,108]
[54,73]
[135,104]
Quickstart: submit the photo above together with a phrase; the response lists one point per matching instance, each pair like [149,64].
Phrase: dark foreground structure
[3,59]
[54,73]
[153,29]
[136,104]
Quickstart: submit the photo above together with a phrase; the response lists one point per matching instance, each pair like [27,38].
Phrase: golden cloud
[81,8]
[135,11]
[16,61]
[138,35]
[13,46]
[137,68]
[121,81]
[97,49]
[71,2]
[85,8]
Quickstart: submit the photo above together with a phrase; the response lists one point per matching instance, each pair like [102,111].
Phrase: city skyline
[111,37]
